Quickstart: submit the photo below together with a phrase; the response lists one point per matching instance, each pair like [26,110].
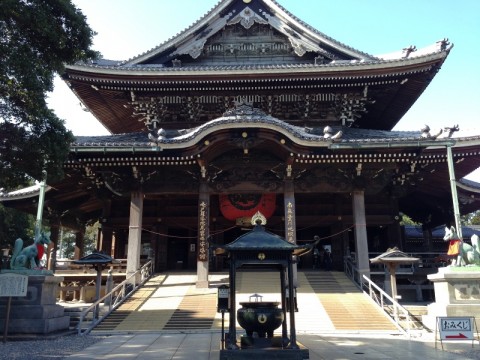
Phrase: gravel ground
[46,349]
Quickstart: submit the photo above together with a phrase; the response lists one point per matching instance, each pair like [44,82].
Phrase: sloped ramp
[348,308]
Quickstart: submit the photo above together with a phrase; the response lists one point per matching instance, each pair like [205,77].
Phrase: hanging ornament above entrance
[234,206]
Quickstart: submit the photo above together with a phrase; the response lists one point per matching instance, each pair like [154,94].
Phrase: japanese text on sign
[456,324]
[456,328]
[13,285]
[202,233]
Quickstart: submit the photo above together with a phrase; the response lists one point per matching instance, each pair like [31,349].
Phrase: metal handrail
[400,316]
[113,298]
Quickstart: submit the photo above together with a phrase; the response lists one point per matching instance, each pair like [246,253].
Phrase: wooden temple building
[251,109]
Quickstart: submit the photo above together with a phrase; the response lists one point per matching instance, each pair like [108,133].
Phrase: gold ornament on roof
[259,219]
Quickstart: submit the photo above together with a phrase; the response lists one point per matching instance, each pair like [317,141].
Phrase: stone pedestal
[37,312]
[457,293]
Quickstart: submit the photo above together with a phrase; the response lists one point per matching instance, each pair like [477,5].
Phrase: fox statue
[26,258]
[466,255]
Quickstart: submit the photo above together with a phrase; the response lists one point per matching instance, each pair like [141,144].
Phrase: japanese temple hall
[251,110]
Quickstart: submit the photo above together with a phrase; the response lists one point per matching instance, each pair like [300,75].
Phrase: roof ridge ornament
[247,17]
[427,135]
[244,108]
[258,219]
[407,51]
[443,44]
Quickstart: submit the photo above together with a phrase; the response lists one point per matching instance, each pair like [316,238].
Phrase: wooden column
[79,244]
[290,221]
[360,225]
[394,230]
[105,235]
[52,247]
[203,234]
[135,233]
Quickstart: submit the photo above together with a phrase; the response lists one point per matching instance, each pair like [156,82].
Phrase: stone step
[327,301]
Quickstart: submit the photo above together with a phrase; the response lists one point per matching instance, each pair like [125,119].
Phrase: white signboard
[13,285]
[456,328]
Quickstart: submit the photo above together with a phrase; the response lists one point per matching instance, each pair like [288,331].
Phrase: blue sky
[127,28]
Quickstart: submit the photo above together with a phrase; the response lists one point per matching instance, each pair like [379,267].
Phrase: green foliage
[37,38]
[472,218]
[14,224]
[407,220]
[68,242]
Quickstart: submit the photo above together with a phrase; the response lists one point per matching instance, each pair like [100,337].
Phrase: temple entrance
[177,254]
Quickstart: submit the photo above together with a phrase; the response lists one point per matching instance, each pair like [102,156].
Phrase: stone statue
[466,254]
[27,258]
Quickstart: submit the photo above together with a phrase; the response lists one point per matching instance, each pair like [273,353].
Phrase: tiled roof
[25,193]
[341,64]
[308,134]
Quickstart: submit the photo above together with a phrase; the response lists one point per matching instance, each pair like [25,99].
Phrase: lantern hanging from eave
[234,206]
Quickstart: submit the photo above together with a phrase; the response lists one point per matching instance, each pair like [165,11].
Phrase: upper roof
[254,50]
[302,37]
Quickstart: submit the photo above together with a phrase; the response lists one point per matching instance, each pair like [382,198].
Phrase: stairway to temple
[327,302]
[347,307]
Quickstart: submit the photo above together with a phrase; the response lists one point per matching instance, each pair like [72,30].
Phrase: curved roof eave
[469,185]
[245,116]
[25,193]
[335,67]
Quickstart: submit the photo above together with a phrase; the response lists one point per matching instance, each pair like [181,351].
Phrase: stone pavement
[206,345]
[143,335]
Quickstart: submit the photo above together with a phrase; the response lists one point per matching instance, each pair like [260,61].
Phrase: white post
[135,234]
[361,243]
[453,186]
[41,201]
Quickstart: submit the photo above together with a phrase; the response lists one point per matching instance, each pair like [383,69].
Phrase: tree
[14,224]
[37,37]
[69,238]
[472,218]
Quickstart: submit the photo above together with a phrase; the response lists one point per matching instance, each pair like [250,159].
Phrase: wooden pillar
[290,221]
[360,225]
[161,249]
[105,235]
[394,230]
[203,234]
[52,247]
[135,233]
[427,238]
[79,244]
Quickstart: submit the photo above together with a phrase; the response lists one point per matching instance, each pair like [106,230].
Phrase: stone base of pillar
[457,294]
[202,274]
[37,312]
[202,284]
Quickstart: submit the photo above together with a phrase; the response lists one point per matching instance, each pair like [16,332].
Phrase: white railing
[397,313]
[100,309]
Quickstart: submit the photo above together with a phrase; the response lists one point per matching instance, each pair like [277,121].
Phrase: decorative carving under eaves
[152,110]
[258,41]
[243,110]
[331,176]
[350,107]
[247,17]
[343,179]
[155,111]
[173,180]
[225,180]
